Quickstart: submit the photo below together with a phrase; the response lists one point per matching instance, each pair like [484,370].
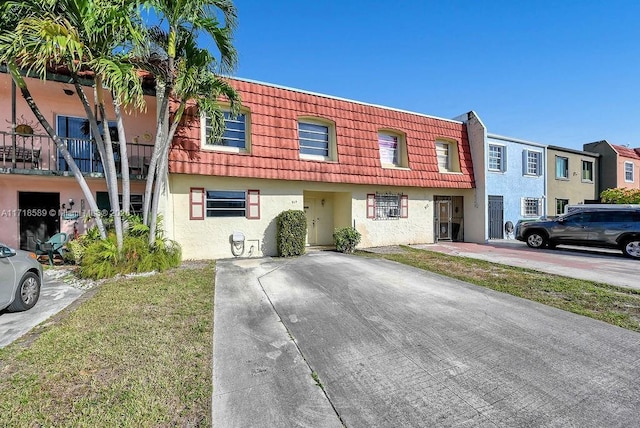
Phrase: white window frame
[443,151]
[217,145]
[587,180]
[502,158]
[561,209]
[527,162]
[562,175]
[399,154]
[627,172]
[331,139]
[527,205]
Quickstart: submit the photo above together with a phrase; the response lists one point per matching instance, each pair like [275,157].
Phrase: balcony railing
[36,154]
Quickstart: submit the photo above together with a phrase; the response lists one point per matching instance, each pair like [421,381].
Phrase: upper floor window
[317,139]
[628,172]
[392,148]
[532,162]
[587,171]
[497,158]
[447,155]
[235,136]
[562,167]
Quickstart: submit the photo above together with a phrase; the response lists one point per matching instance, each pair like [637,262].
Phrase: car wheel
[27,293]
[536,240]
[631,248]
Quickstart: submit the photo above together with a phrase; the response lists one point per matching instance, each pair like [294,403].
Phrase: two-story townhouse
[572,178]
[39,196]
[398,177]
[619,165]
[510,177]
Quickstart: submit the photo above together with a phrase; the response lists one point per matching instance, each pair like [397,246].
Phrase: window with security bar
[387,206]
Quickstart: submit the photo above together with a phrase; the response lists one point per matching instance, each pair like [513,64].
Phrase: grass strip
[138,353]
[614,305]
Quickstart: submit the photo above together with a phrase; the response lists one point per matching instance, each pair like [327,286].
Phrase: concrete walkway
[397,346]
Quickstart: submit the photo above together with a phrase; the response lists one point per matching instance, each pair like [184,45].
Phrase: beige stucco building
[572,178]
[398,177]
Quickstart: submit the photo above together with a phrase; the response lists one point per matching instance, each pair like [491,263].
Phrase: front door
[496,217]
[311,213]
[443,220]
[39,218]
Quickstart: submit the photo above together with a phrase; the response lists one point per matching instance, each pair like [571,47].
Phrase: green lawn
[615,305]
[138,353]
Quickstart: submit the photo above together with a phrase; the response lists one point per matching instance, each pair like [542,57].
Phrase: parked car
[20,279]
[602,227]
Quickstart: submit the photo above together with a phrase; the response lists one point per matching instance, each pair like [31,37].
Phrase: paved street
[396,346]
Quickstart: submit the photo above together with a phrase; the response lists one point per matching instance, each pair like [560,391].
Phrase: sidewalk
[600,265]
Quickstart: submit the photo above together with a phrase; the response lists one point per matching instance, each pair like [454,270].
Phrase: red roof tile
[274,150]
[627,152]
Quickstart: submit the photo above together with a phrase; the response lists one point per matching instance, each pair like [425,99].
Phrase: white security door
[443,220]
[310,211]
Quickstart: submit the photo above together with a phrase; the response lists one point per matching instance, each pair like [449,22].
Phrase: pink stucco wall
[67,187]
[50,97]
[636,173]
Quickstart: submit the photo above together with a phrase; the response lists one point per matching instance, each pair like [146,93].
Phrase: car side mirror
[6,252]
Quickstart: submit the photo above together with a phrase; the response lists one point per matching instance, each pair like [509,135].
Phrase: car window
[578,218]
[604,216]
[623,216]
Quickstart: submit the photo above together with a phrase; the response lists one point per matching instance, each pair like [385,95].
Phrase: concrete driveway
[394,346]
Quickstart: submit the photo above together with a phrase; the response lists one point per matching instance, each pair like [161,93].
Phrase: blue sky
[558,72]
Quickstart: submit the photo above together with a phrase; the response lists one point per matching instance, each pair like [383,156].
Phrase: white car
[20,279]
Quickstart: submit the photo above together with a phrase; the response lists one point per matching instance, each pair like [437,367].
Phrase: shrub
[346,239]
[100,258]
[292,233]
[620,196]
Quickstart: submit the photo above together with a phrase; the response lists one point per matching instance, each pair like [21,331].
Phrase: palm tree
[84,35]
[186,73]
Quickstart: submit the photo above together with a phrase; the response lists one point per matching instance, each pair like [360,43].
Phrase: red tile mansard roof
[627,152]
[274,148]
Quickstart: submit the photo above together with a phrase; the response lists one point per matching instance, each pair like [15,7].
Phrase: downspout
[13,122]
[546,180]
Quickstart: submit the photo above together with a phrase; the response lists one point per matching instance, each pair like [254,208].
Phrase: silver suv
[593,227]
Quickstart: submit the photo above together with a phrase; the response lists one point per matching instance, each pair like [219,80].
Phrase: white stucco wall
[344,205]
[475,209]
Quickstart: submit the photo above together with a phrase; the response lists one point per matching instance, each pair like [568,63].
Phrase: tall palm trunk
[162,181]
[164,93]
[26,94]
[124,158]
[110,165]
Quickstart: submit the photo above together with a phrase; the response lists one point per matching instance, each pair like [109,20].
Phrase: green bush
[346,239]
[292,233]
[620,196]
[99,258]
